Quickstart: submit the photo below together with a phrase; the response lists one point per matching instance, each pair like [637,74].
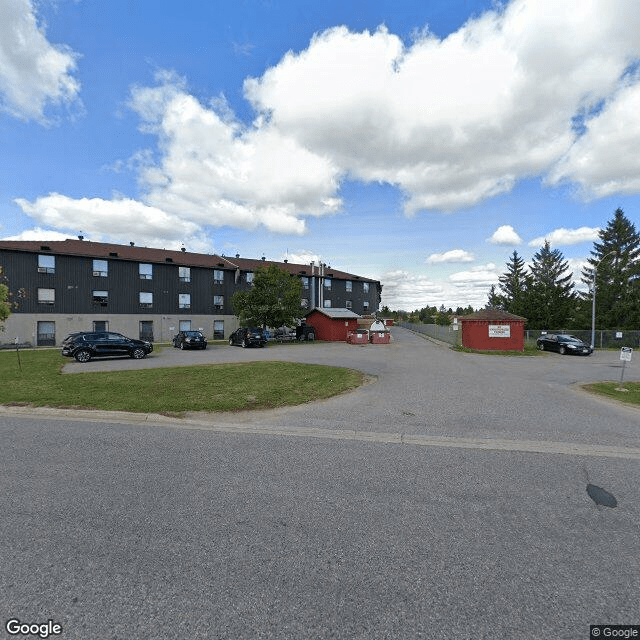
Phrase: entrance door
[46,334]
[146,330]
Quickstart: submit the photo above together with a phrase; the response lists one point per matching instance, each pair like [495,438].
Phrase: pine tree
[551,298]
[616,259]
[514,284]
[495,300]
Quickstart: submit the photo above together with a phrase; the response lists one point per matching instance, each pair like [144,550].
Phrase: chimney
[263,258]
[80,237]
[131,244]
[182,249]
[237,255]
[285,261]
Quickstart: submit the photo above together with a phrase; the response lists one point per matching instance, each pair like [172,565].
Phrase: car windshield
[192,334]
[568,339]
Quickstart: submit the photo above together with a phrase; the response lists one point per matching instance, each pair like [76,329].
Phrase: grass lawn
[216,387]
[609,389]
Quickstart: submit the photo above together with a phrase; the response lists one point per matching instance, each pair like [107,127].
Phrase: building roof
[101,250]
[491,314]
[337,313]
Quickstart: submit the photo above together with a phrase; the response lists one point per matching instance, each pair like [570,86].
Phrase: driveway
[423,387]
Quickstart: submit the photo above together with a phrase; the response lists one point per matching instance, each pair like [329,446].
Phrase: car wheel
[204,347]
[138,353]
[231,342]
[311,336]
[182,346]
[562,351]
[83,355]
[541,346]
[244,344]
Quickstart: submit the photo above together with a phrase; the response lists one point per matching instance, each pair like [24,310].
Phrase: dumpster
[379,334]
[358,336]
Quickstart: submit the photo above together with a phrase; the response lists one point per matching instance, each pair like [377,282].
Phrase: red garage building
[493,330]
[333,324]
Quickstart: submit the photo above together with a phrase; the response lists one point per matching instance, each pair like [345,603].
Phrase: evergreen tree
[551,298]
[514,284]
[616,258]
[495,301]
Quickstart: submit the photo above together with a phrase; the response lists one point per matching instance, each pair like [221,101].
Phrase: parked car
[563,344]
[99,344]
[190,340]
[248,337]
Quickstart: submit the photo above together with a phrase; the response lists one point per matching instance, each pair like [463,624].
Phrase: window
[349,285]
[218,276]
[100,325]
[146,330]
[249,277]
[327,283]
[146,299]
[327,304]
[46,296]
[185,325]
[365,305]
[348,304]
[184,274]
[46,264]
[100,297]
[304,303]
[146,271]
[218,329]
[305,282]
[184,300]
[100,268]
[46,334]
[218,302]
[365,287]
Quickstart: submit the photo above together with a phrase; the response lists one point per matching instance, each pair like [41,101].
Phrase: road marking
[419,440]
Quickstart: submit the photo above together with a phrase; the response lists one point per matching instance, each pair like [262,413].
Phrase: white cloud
[505,235]
[124,220]
[33,72]
[455,255]
[302,256]
[38,234]
[562,237]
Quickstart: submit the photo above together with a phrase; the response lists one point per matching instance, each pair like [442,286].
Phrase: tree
[550,298]
[495,300]
[5,305]
[273,300]
[514,284]
[616,259]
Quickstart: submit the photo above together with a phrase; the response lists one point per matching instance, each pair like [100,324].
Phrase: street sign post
[625,356]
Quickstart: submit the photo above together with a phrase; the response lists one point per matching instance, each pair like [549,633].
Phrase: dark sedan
[563,344]
[248,337]
[190,340]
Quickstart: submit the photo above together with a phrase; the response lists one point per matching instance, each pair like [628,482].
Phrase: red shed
[333,324]
[493,330]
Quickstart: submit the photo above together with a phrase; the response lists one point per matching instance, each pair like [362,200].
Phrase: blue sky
[416,142]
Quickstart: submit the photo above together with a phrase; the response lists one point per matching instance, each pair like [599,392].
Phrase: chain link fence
[605,339]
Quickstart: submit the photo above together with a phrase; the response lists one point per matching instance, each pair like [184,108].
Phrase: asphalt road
[446,500]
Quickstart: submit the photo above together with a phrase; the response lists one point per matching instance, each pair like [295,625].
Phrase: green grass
[529,350]
[631,395]
[216,387]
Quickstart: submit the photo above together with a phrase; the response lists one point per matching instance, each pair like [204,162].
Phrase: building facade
[59,287]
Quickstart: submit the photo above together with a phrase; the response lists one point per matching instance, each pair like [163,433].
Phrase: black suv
[190,340]
[98,344]
[248,337]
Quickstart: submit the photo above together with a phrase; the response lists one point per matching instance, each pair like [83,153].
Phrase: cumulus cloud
[39,234]
[302,256]
[505,235]
[455,255]
[562,236]
[33,72]
[125,219]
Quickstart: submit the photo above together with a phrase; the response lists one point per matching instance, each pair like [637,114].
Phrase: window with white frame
[218,276]
[184,300]
[46,333]
[146,271]
[185,325]
[146,299]
[365,287]
[249,277]
[218,329]
[100,297]
[46,264]
[365,305]
[327,283]
[100,268]
[326,304]
[348,304]
[218,302]
[305,282]
[349,285]
[184,274]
